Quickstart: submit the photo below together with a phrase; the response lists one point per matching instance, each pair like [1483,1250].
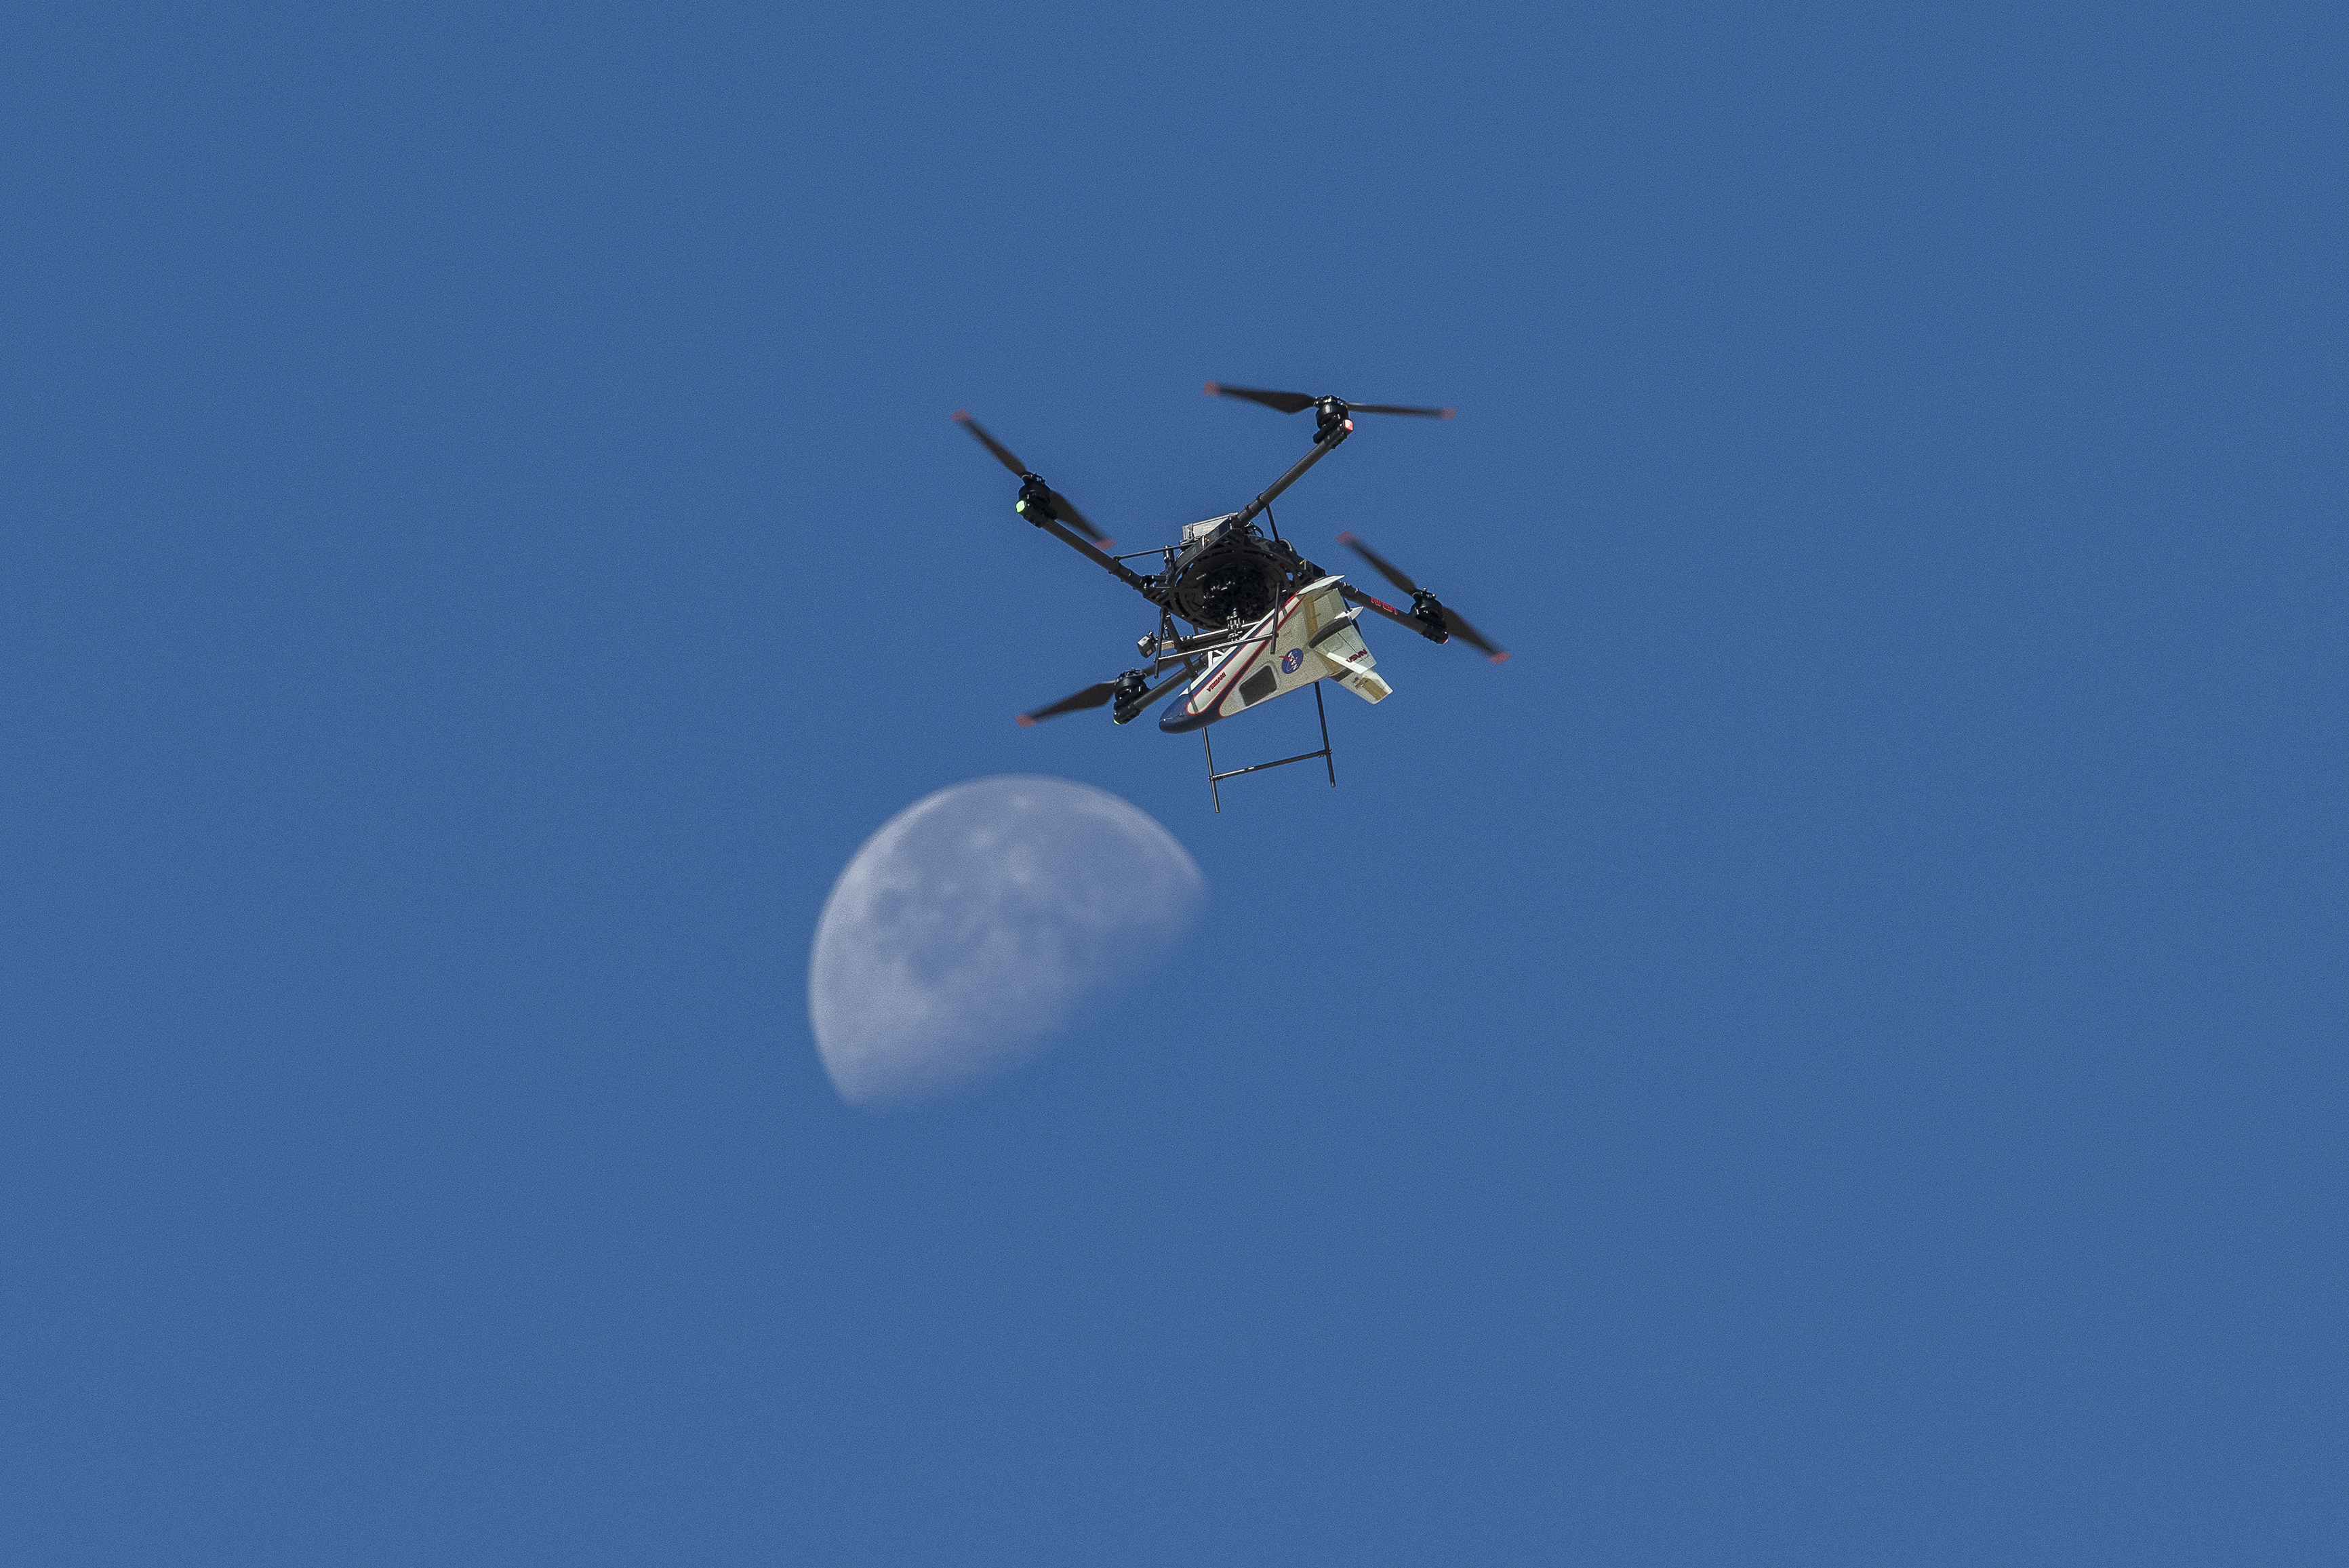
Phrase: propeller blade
[1092,697]
[1002,453]
[1287,402]
[1298,402]
[1386,569]
[1457,625]
[1061,506]
[1076,520]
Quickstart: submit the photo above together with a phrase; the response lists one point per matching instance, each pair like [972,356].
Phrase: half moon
[963,932]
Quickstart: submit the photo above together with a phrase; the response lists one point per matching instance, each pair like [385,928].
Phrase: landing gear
[1328,758]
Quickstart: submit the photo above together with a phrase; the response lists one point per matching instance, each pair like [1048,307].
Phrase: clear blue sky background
[1834,1054]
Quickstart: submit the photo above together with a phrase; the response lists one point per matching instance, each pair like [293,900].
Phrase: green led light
[1020,505]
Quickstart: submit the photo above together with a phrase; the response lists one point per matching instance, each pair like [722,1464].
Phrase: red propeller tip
[962,415]
[1447,413]
[1106,545]
[1347,537]
[1500,658]
[1212,389]
[1025,722]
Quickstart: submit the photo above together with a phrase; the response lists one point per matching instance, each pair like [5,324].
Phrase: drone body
[1265,621]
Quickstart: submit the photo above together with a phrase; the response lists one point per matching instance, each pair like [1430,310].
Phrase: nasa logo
[1291,661]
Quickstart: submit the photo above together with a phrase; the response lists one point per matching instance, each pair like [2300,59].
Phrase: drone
[1263,620]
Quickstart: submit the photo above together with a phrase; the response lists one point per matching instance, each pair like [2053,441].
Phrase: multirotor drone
[1264,620]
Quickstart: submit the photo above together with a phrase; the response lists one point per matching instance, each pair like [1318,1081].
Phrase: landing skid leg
[1328,757]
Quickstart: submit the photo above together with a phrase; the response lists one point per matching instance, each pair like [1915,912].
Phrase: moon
[963,932]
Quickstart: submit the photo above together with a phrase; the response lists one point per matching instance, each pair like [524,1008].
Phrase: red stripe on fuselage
[1221,684]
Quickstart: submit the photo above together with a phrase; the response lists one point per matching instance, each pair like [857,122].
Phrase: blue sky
[1832,1055]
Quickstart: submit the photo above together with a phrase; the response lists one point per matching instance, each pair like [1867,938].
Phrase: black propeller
[1033,491]
[1092,697]
[1424,605]
[1132,691]
[1298,402]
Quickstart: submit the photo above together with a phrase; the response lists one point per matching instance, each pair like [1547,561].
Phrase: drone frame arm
[1400,617]
[1124,573]
[1321,449]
